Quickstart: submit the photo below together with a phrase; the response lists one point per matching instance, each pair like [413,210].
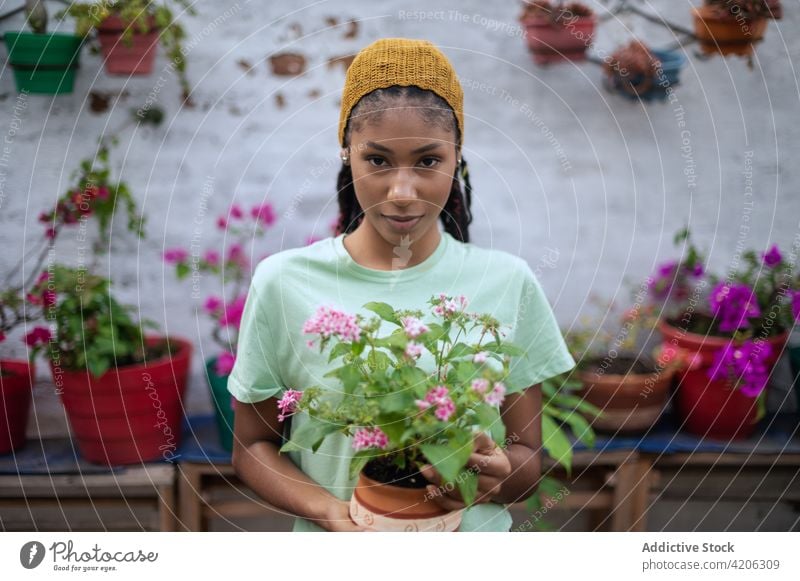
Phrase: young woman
[401,130]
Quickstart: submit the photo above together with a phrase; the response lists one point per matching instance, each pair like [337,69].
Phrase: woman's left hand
[488,460]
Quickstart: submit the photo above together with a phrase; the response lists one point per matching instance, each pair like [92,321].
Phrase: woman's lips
[403,225]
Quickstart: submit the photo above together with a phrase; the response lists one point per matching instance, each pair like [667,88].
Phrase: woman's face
[403,171]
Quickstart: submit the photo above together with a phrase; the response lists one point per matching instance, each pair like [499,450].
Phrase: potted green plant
[731,329]
[234,269]
[557,31]
[404,414]
[121,390]
[732,26]
[618,376]
[43,62]
[639,72]
[128,31]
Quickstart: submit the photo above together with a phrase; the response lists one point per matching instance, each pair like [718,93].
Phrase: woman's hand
[336,518]
[489,461]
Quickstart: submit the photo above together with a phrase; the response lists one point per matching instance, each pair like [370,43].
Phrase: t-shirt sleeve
[537,333]
[256,373]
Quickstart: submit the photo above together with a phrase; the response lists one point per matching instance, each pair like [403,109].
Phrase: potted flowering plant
[121,390]
[731,26]
[557,30]
[730,332]
[43,62]
[618,376]
[639,72]
[400,416]
[243,228]
[128,31]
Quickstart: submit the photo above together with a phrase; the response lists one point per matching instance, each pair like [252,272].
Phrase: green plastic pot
[223,404]
[43,63]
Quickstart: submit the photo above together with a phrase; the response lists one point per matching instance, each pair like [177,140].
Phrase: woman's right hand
[337,518]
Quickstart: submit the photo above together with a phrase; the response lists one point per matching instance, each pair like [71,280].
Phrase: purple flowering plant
[242,230]
[758,300]
[401,411]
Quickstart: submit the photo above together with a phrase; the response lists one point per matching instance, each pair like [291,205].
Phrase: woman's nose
[402,186]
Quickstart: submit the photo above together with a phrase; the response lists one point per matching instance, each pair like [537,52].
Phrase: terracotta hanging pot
[128,57]
[552,41]
[726,35]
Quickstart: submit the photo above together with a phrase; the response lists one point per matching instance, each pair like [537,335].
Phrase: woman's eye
[429,162]
[376,161]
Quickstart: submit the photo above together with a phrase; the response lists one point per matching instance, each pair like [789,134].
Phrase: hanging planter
[16,384]
[223,403]
[402,506]
[43,63]
[637,72]
[558,33]
[630,393]
[732,26]
[130,414]
[128,49]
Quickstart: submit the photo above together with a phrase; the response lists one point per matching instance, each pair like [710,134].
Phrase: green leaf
[461,350]
[339,350]
[580,428]
[358,462]
[556,443]
[384,311]
[489,419]
[396,401]
[310,436]
[182,270]
[468,486]
[448,459]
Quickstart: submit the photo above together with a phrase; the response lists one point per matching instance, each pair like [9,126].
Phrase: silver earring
[345,159]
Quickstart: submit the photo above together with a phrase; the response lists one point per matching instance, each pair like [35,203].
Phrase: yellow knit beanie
[401,61]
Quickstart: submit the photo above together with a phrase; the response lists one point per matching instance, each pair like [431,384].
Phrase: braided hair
[456,216]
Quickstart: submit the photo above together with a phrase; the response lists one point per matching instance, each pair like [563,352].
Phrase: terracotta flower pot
[131,414]
[550,41]
[135,57]
[16,384]
[726,35]
[631,402]
[713,409]
[388,508]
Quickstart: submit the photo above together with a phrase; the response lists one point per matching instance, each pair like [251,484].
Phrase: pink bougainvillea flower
[497,395]
[102,193]
[264,213]
[232,315]
[237,256]
[50,233]
[413,327]
[413,350]
[211,257]
[175,255]
[365,438]
[772,257]
[222,223]
[236,212]
[328,322]
[212,304]
[480,357]
[38,336]
[224,364]
[288,403]
[734,304]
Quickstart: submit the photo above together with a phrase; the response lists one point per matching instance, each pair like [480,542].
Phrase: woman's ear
[345,155]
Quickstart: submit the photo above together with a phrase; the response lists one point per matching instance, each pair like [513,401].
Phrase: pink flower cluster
[439,396]
[366,438]
[264,213]
[328,322]
[745,363]
[494,397]
[224,364]
[480,357]
[229,315]
[413,350]
[446,306]
[288,403]
[734,305]
[38,336]
[413,327]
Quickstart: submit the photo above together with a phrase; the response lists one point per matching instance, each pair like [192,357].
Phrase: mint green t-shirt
[287,287]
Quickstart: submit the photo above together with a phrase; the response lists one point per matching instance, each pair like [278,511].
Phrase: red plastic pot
[16,386]
[713,409]
[552,42]
[131,414]
[122,58]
